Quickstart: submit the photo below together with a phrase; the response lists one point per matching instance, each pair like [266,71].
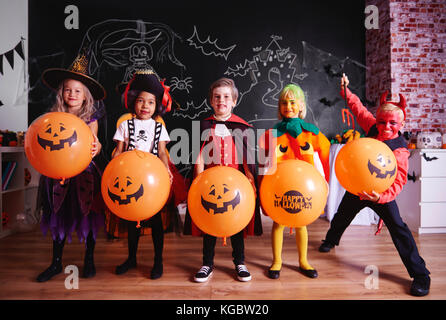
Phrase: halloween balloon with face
[58,145]
[135,185]
[366,164]
[221,201]
[295,194]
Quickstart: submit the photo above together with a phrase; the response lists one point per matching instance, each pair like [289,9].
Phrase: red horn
[383,98]
[402,104]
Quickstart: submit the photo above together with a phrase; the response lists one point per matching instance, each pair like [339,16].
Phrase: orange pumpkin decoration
[295,194]
[221,201]
[366,164]
[411,146]
[58,145]
[135,185]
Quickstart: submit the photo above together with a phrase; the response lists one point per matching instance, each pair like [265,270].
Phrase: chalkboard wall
[260,45]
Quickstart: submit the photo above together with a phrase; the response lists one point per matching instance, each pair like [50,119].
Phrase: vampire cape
[234,122]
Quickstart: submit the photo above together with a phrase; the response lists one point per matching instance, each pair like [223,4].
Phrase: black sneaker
[203,274]
[420,286]
[242,273]
[325,246]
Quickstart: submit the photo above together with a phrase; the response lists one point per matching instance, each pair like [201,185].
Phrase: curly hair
[87,110]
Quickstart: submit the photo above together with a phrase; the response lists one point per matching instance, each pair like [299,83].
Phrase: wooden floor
[341,272]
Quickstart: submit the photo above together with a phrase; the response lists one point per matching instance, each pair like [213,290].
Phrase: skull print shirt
[143,136]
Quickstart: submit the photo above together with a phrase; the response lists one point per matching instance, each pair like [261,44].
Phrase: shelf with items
[18,189]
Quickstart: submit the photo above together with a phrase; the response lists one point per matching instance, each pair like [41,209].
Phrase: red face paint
[388,124]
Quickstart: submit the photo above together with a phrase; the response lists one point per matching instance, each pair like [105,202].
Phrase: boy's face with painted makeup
[388,124]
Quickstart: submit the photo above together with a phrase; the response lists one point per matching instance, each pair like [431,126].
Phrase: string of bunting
[9,55]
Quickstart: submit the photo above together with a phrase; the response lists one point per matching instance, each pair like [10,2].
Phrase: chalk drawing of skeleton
[129,44]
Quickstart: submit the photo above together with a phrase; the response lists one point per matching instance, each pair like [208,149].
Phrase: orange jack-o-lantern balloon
[135,185]
[221,201]
[58,145]
[366,164]
[295,194]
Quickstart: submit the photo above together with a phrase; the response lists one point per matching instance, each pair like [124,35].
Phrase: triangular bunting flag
[10,57]
[19,49]
[1,64]
[1,103]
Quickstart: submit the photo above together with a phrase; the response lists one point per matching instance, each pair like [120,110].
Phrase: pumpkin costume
[294,139]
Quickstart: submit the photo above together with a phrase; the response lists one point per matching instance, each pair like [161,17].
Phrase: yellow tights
[301,242]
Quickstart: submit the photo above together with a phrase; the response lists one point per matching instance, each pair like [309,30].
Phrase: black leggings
[157,236]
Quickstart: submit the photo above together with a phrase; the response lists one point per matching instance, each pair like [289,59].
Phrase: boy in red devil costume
[223,97]
[390,118]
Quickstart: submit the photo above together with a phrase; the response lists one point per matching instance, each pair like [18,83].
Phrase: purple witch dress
[76,205]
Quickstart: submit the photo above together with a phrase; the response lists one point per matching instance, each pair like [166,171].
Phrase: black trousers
[156,224]
[401,236]
[238,249]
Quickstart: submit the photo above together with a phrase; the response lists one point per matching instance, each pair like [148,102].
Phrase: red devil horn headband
[401,104]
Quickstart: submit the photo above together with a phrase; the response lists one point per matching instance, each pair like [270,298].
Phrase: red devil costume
[386,207]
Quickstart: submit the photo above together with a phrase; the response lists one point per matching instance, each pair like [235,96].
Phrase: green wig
[293,90]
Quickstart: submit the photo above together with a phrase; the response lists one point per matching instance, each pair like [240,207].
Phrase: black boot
[89,267]
[133,239]
[56,264]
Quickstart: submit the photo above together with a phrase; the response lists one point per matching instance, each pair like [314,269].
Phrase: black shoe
[420,286]
[203,274]
[51,271]
[157,271]
[89,268]
[309,273]
[126,266]
[325,246]
[242,273]
[274,274]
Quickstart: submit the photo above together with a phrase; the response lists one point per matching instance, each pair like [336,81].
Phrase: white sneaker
[242,273]
[203,274]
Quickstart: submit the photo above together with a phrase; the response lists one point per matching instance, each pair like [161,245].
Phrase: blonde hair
[293,91]
[391,107]
[87,109]
[224,82]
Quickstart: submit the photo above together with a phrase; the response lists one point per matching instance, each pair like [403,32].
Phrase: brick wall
[416,34]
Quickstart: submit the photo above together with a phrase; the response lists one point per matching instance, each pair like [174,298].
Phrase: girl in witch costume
[294,139]
[77,204]
[147,97]
[390,119]
[223,97]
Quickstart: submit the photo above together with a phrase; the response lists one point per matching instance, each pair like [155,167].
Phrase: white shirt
[144,134]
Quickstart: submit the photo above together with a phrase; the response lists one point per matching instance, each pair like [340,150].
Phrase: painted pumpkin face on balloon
[383,167]
[366,164]
[56,136]
[125,190]
[58,145]
[221,201]
[135,185]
